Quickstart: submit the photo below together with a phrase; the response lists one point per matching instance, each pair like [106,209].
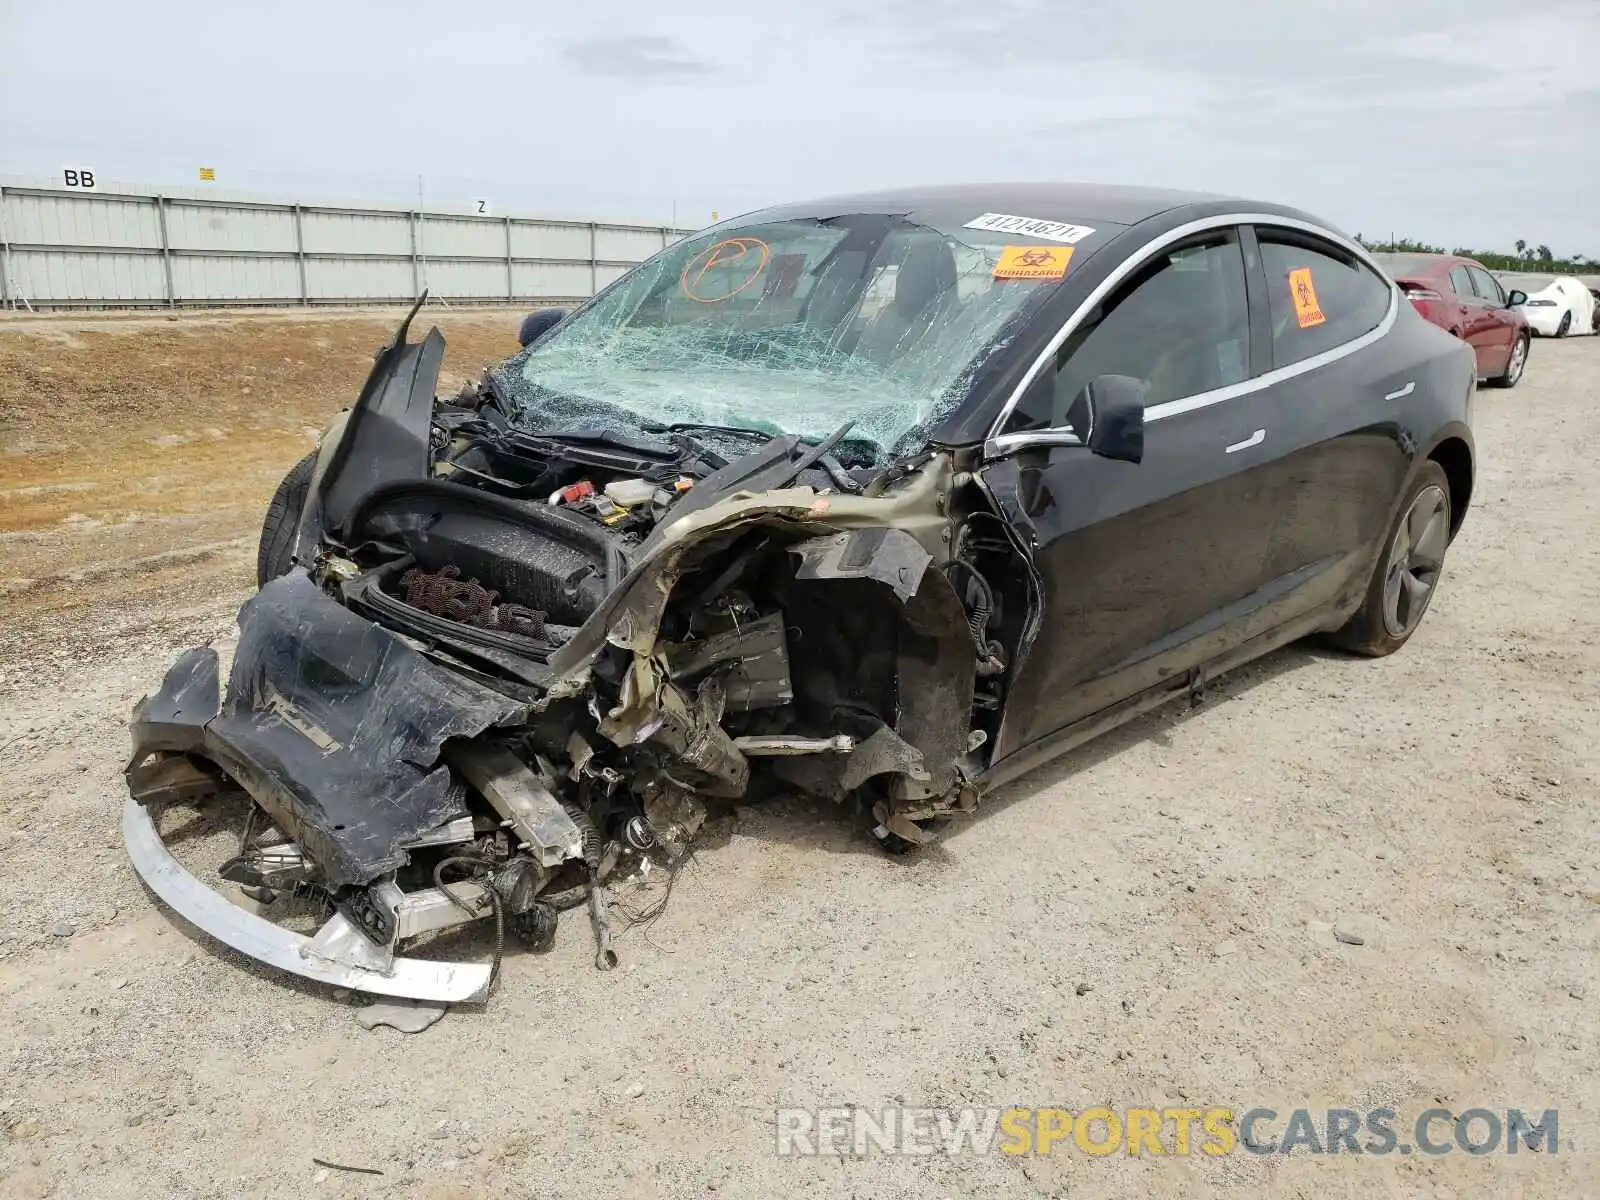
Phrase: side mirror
[1108,415]
[1516,298]
[536,324]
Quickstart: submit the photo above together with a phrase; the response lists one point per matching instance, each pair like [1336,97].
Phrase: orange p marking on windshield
[1304,293]
[743,254]
[1033,262]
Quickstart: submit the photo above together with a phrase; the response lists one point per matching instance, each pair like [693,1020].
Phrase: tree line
[1539,258]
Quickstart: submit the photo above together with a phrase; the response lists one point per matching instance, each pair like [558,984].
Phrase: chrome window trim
[997,444]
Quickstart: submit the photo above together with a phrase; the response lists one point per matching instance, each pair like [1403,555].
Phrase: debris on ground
[408,1016]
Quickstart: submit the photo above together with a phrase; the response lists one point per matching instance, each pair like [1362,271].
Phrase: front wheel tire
[275,555]
[1408,571]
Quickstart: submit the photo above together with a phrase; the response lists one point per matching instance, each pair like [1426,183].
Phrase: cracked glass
[785,326]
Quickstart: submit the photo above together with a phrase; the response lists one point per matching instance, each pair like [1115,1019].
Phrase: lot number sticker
[1304,294]
[1048,231]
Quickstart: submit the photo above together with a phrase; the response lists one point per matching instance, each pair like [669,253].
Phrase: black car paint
[1160,573]
[1153,574]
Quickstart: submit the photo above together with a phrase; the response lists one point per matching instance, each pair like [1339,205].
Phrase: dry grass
[133,443]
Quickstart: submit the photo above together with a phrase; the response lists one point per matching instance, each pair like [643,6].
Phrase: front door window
[1180,324]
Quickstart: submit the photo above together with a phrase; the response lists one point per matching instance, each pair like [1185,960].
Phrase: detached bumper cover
[333,724]
[335,727]
[209,911]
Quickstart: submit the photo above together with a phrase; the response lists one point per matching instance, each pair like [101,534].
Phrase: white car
[1555,307]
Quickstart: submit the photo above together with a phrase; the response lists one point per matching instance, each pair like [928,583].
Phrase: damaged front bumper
[334,727]
[385,735]
[339,955]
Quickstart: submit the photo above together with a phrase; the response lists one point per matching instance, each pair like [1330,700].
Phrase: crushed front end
[503,667]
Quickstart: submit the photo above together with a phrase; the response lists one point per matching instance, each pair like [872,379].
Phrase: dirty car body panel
[845,498]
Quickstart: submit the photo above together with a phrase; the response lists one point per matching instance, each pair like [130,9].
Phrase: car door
[1500,326]
[1477,328]
[1336,382]
[1146,568]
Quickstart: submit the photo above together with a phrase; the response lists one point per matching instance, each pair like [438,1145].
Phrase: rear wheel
[1407,573]
[1517,363]
[1566,325]
[274,556]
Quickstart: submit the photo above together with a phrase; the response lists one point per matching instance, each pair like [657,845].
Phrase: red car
[1461,297]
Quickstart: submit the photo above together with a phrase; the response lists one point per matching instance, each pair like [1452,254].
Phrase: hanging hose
[989,652]
[462,860]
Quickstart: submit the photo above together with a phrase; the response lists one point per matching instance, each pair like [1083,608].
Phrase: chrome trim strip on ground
[214,914]
[997,444]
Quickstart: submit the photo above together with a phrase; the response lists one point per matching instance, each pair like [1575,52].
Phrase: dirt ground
[1148,922]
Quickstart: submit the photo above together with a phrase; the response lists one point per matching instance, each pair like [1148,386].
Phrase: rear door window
[1461,284]
[1320,296]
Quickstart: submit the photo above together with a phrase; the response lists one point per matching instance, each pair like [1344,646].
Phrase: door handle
[1410,387]
[1255,439]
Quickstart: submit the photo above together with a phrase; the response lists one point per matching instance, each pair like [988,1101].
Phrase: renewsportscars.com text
[856,1131]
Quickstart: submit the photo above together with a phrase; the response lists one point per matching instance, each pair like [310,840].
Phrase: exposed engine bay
[504,669]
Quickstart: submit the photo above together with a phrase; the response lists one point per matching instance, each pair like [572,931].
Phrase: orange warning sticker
[1033,262]
[1304,294]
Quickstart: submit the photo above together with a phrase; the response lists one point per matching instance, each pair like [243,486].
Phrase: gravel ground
[1149,921]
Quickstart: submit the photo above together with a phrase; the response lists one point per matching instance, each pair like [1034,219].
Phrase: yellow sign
[1304,293]
[208,174]
[1033,262]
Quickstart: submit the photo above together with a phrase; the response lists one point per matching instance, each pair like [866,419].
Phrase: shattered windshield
[789,326]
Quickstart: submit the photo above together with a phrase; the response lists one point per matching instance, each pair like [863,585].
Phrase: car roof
[1107,204]
[1435,262]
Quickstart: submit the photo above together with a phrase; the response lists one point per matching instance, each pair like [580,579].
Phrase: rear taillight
[1422,293]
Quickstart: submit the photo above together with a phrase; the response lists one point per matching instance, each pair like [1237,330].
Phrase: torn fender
[384,437]
[630,617]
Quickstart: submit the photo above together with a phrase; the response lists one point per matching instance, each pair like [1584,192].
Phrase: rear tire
[1515,366]
[1407,572]
[1566,325]
[274,557]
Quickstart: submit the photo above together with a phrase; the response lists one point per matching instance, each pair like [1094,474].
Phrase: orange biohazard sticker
[1304,294]
[1033,262]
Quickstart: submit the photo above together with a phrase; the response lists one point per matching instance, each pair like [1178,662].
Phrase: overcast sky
[1467,121]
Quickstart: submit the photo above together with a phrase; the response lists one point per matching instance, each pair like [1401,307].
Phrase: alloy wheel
[1519,359]
[1415,558]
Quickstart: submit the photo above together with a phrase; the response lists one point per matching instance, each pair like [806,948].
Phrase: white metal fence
[62,248]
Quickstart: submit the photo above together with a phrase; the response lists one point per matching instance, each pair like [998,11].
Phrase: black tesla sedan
[883,498]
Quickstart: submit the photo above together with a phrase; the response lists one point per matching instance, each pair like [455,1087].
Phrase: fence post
[594,259]
[300,255]
[416,262]
[664,242]
[5,255]
[511,289]
[166,249]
